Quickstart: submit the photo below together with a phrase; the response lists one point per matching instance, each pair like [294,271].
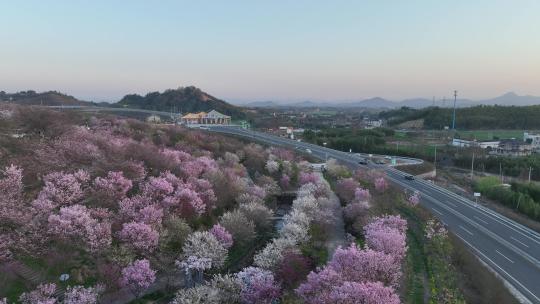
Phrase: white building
[492,144]
[533,139]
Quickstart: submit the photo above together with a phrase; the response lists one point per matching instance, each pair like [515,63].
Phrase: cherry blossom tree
[76,222]
[82,295]
[194,266]
[381,184]
[345,188]
[203,244]
[222,235]
[114,186]
[361,195]
[358,265]
[12,209]
[201,294]
[242,229]
[414,199]
[272,166]
[389,221]
[363,293]
[349,265]
[308,177]
[388,240]
[138,276]
[43,294]
[63,188]
[259,214]
[140,236]
[355,210]
[293,268]
[258,286]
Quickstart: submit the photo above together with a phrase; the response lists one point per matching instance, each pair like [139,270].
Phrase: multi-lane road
[508,248]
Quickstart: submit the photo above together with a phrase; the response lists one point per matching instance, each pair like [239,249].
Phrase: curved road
[510,249]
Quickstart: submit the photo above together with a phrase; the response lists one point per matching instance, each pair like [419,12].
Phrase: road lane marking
[490,233]
[481,220]
[504,256]
[466,230]
[513,238]
[437,211]
[530,234]
[500,268]
[451,204]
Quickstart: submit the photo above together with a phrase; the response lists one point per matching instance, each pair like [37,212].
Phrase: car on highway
[363,161]
[308,151]
[409,177]
[380,162]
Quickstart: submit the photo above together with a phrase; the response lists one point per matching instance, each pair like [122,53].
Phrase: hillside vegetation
[184,99]
[50,98]
[479,117]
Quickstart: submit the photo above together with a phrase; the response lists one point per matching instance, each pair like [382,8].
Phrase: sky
[272,50]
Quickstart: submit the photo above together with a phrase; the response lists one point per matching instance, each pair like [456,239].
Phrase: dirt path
[336,235]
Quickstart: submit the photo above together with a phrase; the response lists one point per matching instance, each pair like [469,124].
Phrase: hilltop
[183,99]
[49,98]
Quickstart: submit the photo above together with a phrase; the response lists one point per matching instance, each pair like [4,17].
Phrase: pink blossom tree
[388,240]
[345,189]
[381,184]
[138,276]
[82,295]
[43,294]
[349,265]
[114,186]
[63,188]
[76,222]
[12,209]
[222,235]
[414,199]
[365,293]
[308,177]
[258,286]
[361,195]
[140,236]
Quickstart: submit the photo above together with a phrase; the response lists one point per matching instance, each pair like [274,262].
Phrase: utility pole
[530,169]
[500,171]
[454,115]
[472,166]
[435,160]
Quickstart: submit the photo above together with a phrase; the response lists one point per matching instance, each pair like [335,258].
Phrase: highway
[510,249]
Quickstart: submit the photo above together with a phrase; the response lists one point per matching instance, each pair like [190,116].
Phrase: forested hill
[50,98]
[184,99]
[479,117]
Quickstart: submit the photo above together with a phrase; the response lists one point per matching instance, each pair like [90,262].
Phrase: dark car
[409,177]
[362,162]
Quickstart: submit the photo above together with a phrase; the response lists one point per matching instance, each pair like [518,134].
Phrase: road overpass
[507,247]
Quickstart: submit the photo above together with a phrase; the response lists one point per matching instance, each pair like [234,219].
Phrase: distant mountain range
[509,99]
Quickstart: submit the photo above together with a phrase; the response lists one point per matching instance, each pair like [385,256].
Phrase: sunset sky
[272,50]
